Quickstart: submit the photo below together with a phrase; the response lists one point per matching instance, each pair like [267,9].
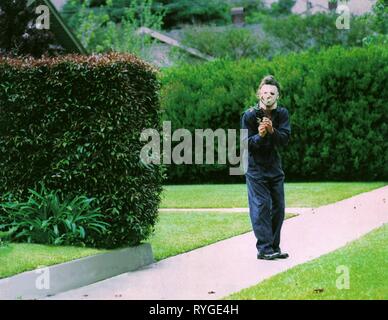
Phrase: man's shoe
[282,255]
[268,256]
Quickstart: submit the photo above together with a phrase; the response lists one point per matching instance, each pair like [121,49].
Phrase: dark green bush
[337,100]
[73,123]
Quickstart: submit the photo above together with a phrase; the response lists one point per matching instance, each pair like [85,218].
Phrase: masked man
[268,128]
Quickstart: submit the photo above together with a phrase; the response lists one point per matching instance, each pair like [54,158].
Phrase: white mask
[268,95]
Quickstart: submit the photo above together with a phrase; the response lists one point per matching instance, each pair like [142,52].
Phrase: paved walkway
[228,266]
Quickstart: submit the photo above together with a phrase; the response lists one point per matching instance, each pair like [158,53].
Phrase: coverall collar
[263,106]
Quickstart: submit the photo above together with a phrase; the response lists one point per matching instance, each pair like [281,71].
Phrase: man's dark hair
[270,80]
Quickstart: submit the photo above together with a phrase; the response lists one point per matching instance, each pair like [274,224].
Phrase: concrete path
[228,266]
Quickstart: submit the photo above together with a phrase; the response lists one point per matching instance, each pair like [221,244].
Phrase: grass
[365,258]
[311,194]
[175,233]
[19,257]
[184,231]
[179,232]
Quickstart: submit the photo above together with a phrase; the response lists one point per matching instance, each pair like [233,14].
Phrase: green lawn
[179,232]
[20,257]
[311,194]
[176,232]
[366,258]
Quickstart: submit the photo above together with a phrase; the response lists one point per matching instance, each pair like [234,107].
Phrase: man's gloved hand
[262,129]
[268,125]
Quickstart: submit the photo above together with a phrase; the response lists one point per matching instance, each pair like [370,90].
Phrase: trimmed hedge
[73,123]
[337,100]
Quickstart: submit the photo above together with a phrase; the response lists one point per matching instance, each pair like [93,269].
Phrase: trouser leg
[259,199]
[278,209]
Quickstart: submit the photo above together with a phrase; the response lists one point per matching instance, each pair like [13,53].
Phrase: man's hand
[262,129]
[268,125]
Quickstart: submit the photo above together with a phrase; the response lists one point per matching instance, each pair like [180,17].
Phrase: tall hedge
[337,100]
[74,123]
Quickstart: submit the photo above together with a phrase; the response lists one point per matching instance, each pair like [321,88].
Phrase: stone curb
[74,274]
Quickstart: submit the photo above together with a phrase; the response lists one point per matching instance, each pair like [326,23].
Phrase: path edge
[75,274]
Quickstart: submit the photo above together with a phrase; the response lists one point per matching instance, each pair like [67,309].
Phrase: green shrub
[378,19]
[73,123]
[47,219]
[336,99]
[4,237]
[317,31]
[282,7]
[99,33]
[228,42]
[178,12]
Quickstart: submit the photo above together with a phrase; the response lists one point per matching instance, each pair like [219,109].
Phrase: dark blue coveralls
[265,177]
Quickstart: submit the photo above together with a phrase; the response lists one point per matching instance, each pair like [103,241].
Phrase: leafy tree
[282,7]
[379,23]
[177,11]
[197,11]
[229,42]
[297,33]
[99,33]
[19,34]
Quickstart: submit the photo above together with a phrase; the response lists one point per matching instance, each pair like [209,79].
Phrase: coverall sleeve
[254,139]
[281,136]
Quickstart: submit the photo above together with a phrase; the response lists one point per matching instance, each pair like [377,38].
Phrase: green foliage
[200,11]
[19,34]
[4,237]
[318,31]
[282,7]
[336,99]
[229,42]
[379,22]
[73,123]
[260,11]
[380,12]
[99,31]
[177,12]
[47,219]
[293,33]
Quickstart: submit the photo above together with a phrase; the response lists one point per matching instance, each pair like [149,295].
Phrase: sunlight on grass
[176,232]
[20,257]
[179,232]
[311,194]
